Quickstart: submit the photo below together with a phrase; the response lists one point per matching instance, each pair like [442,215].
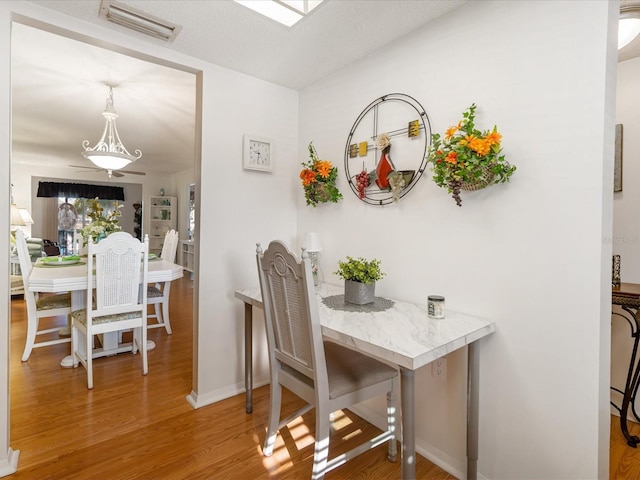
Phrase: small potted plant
[360,276]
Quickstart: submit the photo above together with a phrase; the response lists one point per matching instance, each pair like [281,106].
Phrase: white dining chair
[39,305]
[118,302]
[326,375]
[158,294]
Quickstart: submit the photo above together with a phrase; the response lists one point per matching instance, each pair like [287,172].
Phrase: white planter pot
[359,293]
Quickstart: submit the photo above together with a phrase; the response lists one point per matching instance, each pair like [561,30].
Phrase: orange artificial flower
[452,157]
[451,131]
[307,176]
[467,140]
[480,146]
[323,168]
[493,138]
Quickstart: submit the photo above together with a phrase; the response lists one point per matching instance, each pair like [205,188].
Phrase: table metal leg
[472,411]
[408,424]
[248,357]
[633,376]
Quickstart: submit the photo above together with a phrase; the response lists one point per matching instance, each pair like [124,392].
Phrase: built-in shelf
[162,218]
[188,255]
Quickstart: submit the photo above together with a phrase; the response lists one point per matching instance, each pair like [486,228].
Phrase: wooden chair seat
[53,301]
[81,316]
[153,292]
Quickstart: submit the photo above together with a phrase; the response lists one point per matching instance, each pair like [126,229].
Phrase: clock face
[259,153]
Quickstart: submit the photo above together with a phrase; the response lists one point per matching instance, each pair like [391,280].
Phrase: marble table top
[403,335]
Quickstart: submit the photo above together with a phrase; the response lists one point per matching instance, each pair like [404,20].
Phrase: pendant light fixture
[629,24]
[109,153]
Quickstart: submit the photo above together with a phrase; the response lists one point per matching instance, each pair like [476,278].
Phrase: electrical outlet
[439,368]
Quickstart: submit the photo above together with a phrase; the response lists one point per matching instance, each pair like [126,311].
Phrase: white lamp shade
[26,216]
[628,29]
[16,218]
[107,161]
[312,242]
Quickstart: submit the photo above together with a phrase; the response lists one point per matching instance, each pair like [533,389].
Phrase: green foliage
[359,270]
[468,155]
[101,225]
[319,180]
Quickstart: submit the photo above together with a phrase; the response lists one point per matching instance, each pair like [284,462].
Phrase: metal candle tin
[436,306]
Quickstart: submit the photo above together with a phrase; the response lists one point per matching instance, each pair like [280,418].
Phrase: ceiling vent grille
[138,20]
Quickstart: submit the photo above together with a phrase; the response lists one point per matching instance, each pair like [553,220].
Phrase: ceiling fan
[115,173]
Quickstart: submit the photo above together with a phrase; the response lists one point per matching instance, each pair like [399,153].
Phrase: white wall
[527,254]
[237,207]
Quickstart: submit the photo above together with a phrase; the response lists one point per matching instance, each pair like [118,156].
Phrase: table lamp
[313,247]
[16,218]
[26,216]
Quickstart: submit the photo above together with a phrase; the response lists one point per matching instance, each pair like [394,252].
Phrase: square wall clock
[257,153]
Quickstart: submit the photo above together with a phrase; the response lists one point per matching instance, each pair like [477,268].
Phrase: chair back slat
[121,266]
[170,246]
[290,309]
[25,270]
[117,277]
[291,323]
[23,256]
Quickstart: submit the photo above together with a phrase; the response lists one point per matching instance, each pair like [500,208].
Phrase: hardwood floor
[624,461]
[135,427]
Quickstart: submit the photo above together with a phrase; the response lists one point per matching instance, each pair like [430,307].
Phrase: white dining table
[45,278]
[402,334]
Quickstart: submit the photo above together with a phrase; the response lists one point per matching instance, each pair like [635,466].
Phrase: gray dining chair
[326,375]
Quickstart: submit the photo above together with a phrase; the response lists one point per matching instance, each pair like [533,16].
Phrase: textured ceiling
[59,91]
[223,32]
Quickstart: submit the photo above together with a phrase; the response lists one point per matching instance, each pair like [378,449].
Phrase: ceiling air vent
[138,20]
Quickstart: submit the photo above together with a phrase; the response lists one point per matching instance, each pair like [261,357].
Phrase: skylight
[287,12]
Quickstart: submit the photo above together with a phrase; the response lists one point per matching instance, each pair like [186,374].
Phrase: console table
[403,335]
[627,297]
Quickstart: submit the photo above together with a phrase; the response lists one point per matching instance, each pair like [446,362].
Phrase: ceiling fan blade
[84,166]
[130,172]
[116,173]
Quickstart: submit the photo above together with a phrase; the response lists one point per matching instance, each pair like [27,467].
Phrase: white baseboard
[197,401]
[10,465]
